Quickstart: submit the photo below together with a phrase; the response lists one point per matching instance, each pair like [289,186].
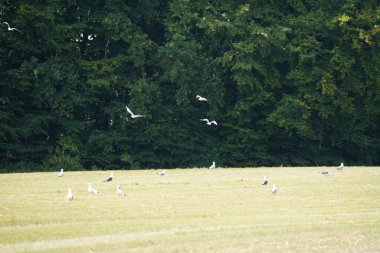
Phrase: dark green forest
[292,82]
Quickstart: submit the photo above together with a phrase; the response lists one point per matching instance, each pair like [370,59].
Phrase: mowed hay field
[193,210]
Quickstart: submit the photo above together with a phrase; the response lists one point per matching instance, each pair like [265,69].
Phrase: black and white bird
[109,178]
[61,173]
[70,195]
[199,98]
[11,29]
[119,191]
[274,189]
[161,173]
[91,189]
[208,122]
[340,167]
[265,180]
[132,114]
[213,166]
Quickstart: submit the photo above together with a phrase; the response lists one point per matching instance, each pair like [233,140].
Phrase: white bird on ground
[61,173]
[199,98]
[109,178]
[132,114]
[213,166]
[119,191]
[265,180]
[11,29]
[274,189]
[161,173]
[70,196]
[340,167]
[91,189]
[209,122]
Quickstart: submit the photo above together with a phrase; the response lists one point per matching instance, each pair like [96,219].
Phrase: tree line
[292,82]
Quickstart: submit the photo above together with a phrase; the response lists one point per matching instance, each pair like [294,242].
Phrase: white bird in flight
[162,173]
[109,178]
[70,196]
[199,98]
[274,189]
[209,122]
[61,173]
[132,114]
[265,180]
[340,167]
[213,166]
[91,189]
[11,29]
[119,191]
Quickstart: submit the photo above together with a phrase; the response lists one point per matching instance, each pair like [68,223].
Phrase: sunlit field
[193,210]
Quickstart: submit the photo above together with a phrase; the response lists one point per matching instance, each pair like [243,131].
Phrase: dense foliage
[289,82]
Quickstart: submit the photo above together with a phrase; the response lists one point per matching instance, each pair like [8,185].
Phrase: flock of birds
[120,192]
[90,188]
[198,97]
[133,116]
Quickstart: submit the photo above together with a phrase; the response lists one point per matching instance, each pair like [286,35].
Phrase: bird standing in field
[61,173]
[11,29]
[265,180]
[109,178]
[119,191]
[91,189]
[70,196]
[274,189]
[199,98]
[208,122]
[162,173]
[132,114]
[340,167]
[213,166]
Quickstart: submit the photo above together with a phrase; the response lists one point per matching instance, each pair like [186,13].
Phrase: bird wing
[205,120]
[129,111]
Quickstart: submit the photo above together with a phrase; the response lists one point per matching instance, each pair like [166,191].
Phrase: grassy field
[193,210]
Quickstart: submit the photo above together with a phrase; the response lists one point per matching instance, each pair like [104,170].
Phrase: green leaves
[287,81]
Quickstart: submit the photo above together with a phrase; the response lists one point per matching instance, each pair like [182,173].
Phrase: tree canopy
[288,81]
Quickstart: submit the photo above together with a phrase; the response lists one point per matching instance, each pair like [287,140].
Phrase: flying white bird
[213,166]
[209,122]
[274,189]
[119,191]
[11,29]
[265,180]
[199,98]
[70,196]
[109,178]
[61,173]
[161,173]
[91,189]
[340,167]
[132,114]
